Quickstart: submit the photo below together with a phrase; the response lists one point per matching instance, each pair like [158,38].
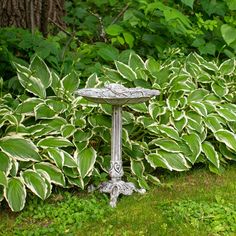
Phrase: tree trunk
[31,14]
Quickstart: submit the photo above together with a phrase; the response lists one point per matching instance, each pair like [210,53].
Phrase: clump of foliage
[50,137]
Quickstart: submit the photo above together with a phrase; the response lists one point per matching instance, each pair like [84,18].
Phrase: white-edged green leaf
[20,148]
[47,181]
[227,114]
[125,71]
[86,160]
[135,61]
[15,194]
[169,131]
[28,105]
[67,130]
[55,174]
[5,163]
[70,82]
[140,107]
[35,182]
[226,137]
[54,142]
[199,108]
[213,123]
[227,67]
[155,110]
[219,90]
[76,182]
[172,104]
[3,179]
[137,168]
[92,81]
[194,143]
[167,144]
[15,167]
[32,84]
[197,95]
[211,153]
[57,156]
[40,70]
[43,111]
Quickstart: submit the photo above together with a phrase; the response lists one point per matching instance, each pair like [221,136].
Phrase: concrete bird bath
[117,95]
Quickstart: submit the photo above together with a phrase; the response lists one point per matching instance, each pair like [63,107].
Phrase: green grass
[193,203]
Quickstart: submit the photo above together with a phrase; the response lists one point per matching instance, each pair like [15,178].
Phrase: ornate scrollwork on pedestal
[116,169]
[115,188]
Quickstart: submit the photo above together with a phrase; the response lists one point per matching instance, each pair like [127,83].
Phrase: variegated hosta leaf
[67,130]
[155,110]
[219,90]
[92,81]
[40,70]
[228,154]
[125,71]
[226,137]
[15,194]
[36,183]
[197,95]
[213,123]
[171,161]
[86,160]
[3,179]
[76,182]
[169,132]
[211,153]
[227,67]
[137,168]
[15,167]
[55,174]
[47,181]
[43,111]
[199,108]
[226,114]
[54,142]
[194,143]
[166,144]
[19,148]
[28,106]
[135,61]
[6,163]
[70,82]
[140,107]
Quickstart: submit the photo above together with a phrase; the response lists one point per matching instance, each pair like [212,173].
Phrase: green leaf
[19,148]
[213,123]
[129,39]
[199,108]
[167,144]
[171,161]
[43,111]
[211,153]
[197,95]
[135,61]
[169,131]
[108,53]
[35,183]
[28,106]
[227,67]
[40,70]
[140,107]
[6,163]
[227,114]
[188,3]
[3,179]
[54,142]
[226,137]
[137,168]
[114,30]
[229,33]
[86,160]
[71,82]
[125,71]
[67,130]
[231,4]
[194,143]
[32,84]
[57,156]
[15,194]
[219,90]
[54,173]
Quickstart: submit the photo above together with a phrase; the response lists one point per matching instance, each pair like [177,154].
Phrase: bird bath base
[117,187]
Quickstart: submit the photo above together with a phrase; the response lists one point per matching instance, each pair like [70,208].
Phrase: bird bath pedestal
[117,95]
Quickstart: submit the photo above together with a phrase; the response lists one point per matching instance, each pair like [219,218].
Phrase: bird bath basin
[117,95]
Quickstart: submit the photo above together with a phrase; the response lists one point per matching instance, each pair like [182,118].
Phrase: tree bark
[31,14]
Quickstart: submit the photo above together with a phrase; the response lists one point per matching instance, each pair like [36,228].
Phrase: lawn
[190,203]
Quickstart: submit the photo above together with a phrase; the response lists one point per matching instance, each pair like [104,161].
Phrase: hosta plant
[49,137]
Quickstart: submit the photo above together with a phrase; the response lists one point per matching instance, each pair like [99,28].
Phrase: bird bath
[117,95]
